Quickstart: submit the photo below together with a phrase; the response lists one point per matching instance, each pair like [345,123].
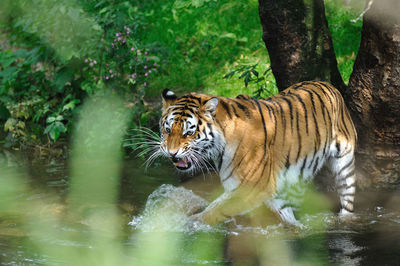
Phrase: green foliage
[56,53]
[250,75]
[346,35]
[121,60]
[204,38]
[32,97]
[55,127]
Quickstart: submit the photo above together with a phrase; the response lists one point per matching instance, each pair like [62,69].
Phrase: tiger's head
[189,135]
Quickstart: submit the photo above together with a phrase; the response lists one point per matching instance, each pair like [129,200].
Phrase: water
[168,209]
[154,227]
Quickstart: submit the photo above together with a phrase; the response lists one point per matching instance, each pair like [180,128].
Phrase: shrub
[58,53]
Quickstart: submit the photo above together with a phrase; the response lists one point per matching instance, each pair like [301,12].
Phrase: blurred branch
[363,13]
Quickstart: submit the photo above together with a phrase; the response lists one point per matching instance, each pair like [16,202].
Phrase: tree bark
[373,96]
[299,43]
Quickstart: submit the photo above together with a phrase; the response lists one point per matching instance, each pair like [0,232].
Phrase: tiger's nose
[173,156]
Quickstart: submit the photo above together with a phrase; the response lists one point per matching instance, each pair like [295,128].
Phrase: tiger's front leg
[228,205]
[214,213]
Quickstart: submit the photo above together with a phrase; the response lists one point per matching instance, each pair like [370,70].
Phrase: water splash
[169,208]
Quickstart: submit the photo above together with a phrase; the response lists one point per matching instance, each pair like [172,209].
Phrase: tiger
[259,147]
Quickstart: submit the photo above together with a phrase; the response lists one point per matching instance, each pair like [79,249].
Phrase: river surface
[153,228]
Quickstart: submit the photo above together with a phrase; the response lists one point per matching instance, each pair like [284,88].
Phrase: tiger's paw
[196,222]
[202,218]
[196,218]
[207,217]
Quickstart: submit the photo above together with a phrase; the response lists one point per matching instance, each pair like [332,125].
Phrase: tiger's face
[188,134]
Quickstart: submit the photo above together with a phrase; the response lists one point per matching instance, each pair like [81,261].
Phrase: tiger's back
[268,145]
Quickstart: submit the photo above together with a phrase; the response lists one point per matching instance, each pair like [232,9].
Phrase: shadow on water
[371,238]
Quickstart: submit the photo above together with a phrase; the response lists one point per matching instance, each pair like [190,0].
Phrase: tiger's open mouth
[182,163]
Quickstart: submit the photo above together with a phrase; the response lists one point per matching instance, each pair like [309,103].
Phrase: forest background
[55,54]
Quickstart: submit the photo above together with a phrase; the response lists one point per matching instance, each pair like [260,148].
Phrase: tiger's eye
[168,130]
[189,133]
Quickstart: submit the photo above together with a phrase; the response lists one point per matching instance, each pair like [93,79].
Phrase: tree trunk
[299,43]
[298,40]
[373,96]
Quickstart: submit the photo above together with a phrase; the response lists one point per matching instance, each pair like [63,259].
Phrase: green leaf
[21,53]
[38,114]
[60,127]
[266,71]
[7,59]
[197,3]
[71,105]
[88,86]
[228,35]
[50,119]
[254,72]
[229,75]
[54,134]
[10,124]
[182,3]
[55,129]
[9,74]
[245,73]
[103,10]
[247,80]
[48,128]
[97,27]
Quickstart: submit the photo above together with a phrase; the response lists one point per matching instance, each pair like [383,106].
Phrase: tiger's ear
[168,97]
[211,106]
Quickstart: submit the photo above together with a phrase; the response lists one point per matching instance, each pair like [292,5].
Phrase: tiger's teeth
[182,163]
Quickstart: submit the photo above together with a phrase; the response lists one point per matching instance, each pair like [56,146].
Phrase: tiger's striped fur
[260,147]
